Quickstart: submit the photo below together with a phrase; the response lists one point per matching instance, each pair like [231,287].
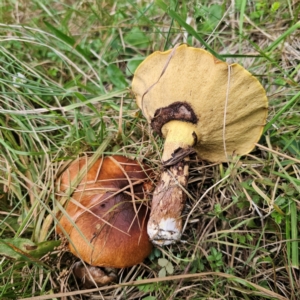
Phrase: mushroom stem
[179,136]
[165,222]
[195,101]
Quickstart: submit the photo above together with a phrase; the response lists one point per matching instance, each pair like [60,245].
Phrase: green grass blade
[187,27]
[294,235]
[68,40]
[67,107]
[241,20]
[281,111]
[283,37]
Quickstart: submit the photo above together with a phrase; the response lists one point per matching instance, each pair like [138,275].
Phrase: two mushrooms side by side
[198,104]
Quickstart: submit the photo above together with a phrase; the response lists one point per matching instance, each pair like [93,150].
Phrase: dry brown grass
[242,218]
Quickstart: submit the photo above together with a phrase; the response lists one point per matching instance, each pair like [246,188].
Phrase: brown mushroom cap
[108,231]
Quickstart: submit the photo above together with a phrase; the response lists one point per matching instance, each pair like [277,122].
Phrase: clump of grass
[64,92]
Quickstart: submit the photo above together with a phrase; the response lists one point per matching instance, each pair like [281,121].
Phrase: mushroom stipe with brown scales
[200,104]
[105,219]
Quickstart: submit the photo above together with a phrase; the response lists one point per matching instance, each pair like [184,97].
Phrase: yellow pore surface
[231,104]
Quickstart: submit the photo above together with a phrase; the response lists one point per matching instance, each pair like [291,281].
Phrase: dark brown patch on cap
[180,111]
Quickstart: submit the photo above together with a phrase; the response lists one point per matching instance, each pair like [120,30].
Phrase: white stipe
[164,233]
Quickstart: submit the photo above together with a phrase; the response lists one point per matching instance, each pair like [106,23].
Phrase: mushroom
[90,275]
[198,104]
[105,219]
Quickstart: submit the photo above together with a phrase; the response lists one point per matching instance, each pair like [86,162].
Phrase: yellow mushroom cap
[225,106]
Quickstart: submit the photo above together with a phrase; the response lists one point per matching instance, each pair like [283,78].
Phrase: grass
[66,67]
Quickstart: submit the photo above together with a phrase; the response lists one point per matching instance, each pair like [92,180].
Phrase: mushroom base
[165,222]
[90,276]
